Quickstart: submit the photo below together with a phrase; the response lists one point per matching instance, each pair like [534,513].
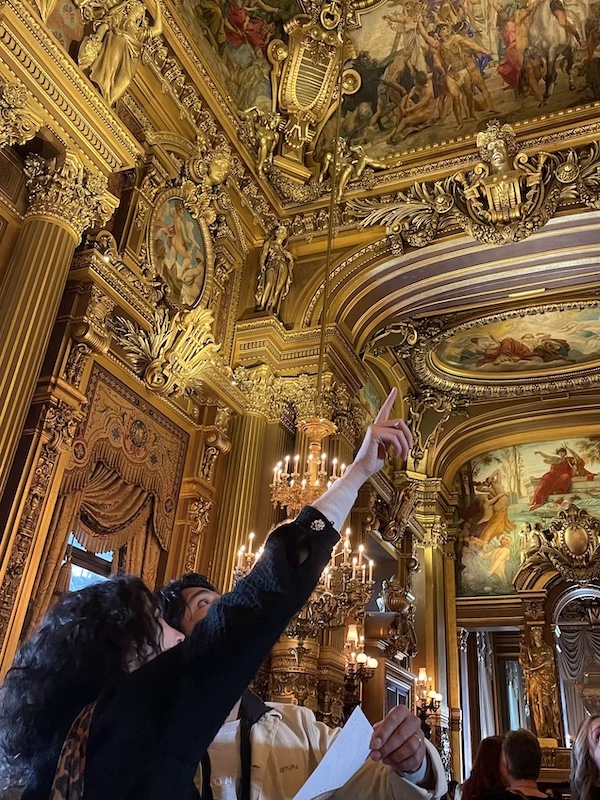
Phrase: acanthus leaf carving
[66,190]
[171,357]
[19,122]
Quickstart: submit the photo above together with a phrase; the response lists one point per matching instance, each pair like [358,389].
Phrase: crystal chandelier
[292,489]
[344,588]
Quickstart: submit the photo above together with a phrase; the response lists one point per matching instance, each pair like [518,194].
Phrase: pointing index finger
[384,411]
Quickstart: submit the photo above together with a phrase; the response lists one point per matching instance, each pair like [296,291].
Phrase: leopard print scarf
[68,779]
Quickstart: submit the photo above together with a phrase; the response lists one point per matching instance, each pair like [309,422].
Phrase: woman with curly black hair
[86,698]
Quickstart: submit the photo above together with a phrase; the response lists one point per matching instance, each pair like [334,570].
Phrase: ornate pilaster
[64,199]
[240,494]
[54,434]
[199,516]
[19,122]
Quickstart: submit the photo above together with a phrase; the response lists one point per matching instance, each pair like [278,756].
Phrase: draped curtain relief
[106,514]
[579,647]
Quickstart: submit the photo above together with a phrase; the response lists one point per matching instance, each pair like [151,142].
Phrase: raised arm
[175,704]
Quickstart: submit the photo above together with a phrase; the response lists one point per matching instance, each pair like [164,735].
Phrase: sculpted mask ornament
[113,50]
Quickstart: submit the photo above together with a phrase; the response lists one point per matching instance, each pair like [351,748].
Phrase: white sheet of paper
[343,759]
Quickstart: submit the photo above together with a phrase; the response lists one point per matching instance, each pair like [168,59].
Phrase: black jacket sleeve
[148,736]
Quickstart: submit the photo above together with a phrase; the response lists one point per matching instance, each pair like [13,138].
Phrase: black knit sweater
[148,734]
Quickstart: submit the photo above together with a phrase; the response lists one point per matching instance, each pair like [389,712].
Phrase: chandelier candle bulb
[361,550]
[334,471]
[361,658]
[372,663]
[251,538]
[371,565]
[240,559]
[354,568]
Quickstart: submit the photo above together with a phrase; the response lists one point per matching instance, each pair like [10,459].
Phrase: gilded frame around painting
[510,353]
[180,250]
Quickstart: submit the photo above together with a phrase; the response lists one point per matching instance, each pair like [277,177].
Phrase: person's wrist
[354,477]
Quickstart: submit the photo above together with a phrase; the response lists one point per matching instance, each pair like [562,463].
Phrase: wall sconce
[428,701]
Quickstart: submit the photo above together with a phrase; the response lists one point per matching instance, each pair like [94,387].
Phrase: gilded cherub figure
[265,129]
[347,163]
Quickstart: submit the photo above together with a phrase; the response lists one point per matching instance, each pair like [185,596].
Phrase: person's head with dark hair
[80,648]
[487,774]
[585,760]
[523,756]
[451,789]
[186,600]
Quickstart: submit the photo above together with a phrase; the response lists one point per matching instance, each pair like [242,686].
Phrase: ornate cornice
[74,111]
[63,189]
[494,203]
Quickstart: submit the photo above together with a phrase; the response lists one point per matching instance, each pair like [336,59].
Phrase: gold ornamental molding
[19,120]
[417,342]
[568,548]
[505,198]
[73,111]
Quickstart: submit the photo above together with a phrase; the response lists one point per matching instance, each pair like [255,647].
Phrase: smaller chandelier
[292,488]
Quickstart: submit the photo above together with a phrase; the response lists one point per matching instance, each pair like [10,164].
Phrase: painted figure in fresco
[592,43]
[528,347]
[499,558]
[495,520]
[418,108]
[113,50]
[276,272]
[179,243]
[565,465]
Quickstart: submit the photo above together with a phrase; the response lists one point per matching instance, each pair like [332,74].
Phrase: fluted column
[240,493]
[64,200]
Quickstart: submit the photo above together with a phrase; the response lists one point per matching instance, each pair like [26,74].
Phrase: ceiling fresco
[541,342]
[505,494]
[513,353]
[431,71]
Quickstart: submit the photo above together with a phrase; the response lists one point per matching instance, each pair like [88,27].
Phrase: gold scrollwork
[502,199]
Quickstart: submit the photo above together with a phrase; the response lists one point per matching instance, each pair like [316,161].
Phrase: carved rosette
[64,190]
[59,426]
[198,516]
[18,121]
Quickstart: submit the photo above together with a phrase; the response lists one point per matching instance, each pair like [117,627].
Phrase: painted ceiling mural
[535,343]
[431,70]
[506,493]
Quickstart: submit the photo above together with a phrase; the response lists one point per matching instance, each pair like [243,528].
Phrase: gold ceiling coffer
[306,80]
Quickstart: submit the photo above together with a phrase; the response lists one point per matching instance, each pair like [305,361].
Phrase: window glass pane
[81,577]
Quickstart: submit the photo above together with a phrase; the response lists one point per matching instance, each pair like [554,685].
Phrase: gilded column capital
[63,189]
[18,121]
